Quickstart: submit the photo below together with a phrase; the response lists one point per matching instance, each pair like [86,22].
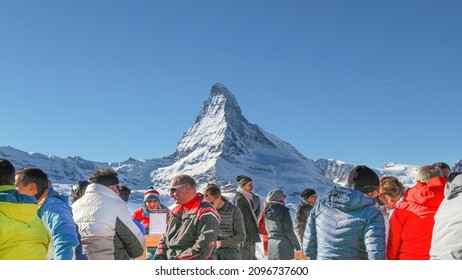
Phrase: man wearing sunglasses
[192,229]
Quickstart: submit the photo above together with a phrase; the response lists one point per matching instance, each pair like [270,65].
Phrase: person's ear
[32,189]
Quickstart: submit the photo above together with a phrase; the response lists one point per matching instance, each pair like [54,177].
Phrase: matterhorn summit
[221,129]
[223,144]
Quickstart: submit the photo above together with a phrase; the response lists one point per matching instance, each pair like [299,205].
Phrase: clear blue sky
[366,82]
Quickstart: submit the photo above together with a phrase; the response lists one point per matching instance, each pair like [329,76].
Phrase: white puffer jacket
[447,232]
[106,226]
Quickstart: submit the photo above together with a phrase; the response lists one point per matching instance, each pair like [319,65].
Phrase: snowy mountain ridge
[220,145]
[338,171]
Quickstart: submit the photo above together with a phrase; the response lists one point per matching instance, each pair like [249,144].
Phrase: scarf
[248,197]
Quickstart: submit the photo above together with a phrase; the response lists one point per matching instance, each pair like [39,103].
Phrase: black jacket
[251,227]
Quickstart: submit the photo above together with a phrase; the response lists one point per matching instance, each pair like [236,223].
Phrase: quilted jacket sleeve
[58,217]
[374,236]
[310,242]
[238,229]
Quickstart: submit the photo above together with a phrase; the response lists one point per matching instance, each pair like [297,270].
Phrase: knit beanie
[363,179]
[275,196]
[307,193]
[151,193]
[242,180]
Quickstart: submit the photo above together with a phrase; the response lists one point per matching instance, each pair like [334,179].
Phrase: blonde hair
[391,186]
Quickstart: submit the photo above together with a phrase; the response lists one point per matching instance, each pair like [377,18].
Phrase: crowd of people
[373,218]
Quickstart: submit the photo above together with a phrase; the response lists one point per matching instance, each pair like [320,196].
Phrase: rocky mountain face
[335,170]
[457,166]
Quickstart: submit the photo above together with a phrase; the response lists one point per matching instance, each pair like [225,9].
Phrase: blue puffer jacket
[345,226]
[56,214]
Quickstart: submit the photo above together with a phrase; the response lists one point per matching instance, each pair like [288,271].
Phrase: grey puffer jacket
[232,231]
[345,225]
[282,241]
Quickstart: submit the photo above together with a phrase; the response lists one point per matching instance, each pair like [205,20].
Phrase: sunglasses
[175,188]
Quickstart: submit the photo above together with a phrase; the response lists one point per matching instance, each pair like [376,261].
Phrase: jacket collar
[192,206]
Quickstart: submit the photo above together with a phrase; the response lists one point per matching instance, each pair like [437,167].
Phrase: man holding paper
[193,225]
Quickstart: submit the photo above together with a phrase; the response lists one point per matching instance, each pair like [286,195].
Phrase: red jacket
[138,215]
[411,223]
[262,231]
[142,215]
[192,232]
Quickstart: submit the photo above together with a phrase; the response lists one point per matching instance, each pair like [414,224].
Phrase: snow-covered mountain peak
[220,90]
[220,128]
[222,144]
[221,103]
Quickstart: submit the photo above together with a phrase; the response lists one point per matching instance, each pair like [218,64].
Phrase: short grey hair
[184,179]
[427,172]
